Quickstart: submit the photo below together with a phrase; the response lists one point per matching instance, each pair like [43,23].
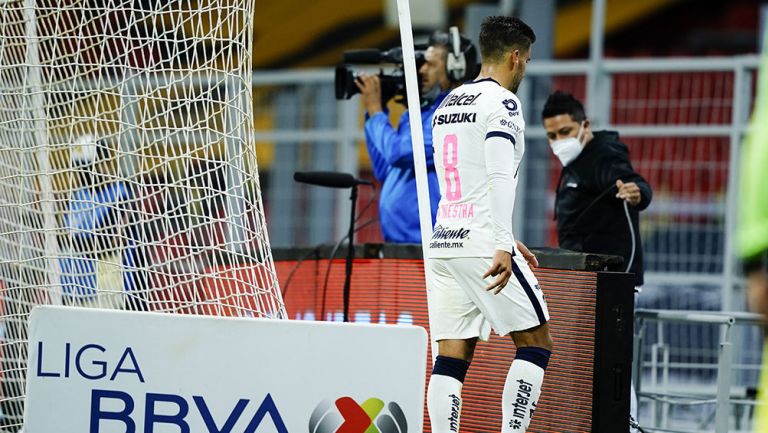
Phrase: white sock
[444,403]
[521,393]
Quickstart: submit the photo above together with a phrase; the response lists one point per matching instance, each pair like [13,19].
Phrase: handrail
[722,317]
[685,316]
[326,75]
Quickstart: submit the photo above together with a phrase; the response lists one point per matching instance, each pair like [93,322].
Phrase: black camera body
[392,83]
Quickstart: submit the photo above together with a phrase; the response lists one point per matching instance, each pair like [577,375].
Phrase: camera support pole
[350,253]
[330,179]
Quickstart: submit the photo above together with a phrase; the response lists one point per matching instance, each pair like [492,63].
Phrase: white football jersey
[478,143]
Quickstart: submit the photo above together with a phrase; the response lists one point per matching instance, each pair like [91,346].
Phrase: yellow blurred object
[761,411]
[573,22]
[265,151]
[360,25]
[753,210]
[290,33]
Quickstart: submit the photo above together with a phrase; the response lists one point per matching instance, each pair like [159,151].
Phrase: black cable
[330,262]
[338,244]
[317,247]
[367,205]
[629,222]
[591,204]
[632,234]
[312,251]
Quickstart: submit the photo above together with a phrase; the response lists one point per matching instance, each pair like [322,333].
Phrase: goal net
[128,176]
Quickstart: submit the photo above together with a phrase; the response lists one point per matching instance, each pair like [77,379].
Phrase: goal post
[128,174]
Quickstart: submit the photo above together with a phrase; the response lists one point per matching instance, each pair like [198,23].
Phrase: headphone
[461,61]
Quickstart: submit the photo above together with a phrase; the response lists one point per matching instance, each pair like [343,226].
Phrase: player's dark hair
[499,34]
[563,103]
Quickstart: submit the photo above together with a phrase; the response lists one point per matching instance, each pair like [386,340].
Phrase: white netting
[128,175]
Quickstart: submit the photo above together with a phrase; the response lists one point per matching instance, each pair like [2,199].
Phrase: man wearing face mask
[390,149]
[596,180]
[599,192]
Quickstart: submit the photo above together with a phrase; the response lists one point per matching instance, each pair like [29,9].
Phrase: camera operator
[450,60]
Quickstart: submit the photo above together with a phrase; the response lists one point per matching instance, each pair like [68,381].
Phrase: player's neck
[497,73]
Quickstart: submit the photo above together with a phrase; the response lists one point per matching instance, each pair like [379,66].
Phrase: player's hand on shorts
[628,191]
[501,268]
[527,255]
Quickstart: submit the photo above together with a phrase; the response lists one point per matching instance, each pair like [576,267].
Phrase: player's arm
[617,170]
[527,254]
[393,148]
[376,123]
[376,127]
[500,146]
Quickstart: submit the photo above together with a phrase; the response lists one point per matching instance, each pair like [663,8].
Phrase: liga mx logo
[346,416]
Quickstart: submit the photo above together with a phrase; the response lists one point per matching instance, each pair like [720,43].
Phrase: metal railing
[663,381]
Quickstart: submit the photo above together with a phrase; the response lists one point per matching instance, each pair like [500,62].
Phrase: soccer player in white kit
[480,279]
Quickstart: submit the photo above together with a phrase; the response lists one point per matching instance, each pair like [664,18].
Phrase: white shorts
[461,307]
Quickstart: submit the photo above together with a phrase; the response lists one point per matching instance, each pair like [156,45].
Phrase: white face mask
[568,149]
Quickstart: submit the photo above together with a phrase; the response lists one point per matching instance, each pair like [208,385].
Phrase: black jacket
[589,216]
